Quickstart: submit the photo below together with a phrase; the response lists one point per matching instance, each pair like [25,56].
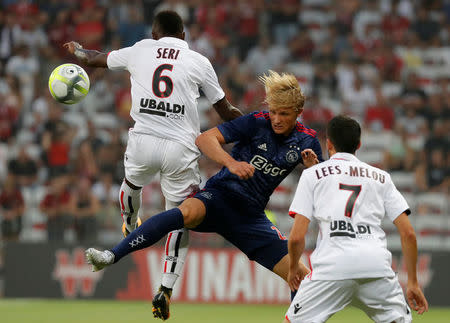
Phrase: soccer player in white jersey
[351,263]
[165,80]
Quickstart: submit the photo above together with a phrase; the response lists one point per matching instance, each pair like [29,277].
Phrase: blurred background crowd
[385,62]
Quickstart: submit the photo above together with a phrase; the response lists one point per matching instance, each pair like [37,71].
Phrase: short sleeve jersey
[165,80]
[273,156]
[349,199]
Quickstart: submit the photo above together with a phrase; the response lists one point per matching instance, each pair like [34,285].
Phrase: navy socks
[150,232]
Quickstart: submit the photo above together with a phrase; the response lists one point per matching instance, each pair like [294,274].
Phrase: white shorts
[147,155]
[380,298]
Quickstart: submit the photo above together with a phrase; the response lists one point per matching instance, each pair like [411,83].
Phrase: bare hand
[242,169]
[71,46]
[416,299]
[295,276]
[309,158]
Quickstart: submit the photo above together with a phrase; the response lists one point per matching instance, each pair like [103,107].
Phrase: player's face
[283,120]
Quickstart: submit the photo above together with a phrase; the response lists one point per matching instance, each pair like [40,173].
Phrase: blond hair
[283,91]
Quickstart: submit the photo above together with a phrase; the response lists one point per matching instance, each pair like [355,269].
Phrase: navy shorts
[243,225]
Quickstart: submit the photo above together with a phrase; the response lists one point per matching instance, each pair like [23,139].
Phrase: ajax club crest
[292,154]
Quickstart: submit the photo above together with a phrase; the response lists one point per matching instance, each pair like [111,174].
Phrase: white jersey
[349,199]
[165,80]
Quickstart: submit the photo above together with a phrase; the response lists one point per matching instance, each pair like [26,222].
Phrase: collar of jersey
[344,156]
[174,41]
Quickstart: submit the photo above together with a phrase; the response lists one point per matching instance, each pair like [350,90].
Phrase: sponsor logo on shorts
[346,229]
[262,164]
[297,308]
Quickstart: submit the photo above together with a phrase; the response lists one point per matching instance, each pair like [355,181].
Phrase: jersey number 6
[158,78]
[355,189]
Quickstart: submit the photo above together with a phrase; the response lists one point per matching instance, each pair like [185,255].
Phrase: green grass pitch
[56,311]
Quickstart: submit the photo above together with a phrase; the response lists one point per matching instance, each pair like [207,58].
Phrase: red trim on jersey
[287,318]
[301,128]
[165,267]
[121,201]
[262,114]
[339,159]
[292,214]
[107,54]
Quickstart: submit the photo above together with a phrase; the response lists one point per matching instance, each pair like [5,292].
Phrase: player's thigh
[382,299]
[317,300]
[143,157]
[180,175]
[257,237]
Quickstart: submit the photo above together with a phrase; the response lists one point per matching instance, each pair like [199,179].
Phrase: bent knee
[193,211]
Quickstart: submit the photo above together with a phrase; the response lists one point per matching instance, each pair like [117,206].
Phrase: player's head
[167,24]
[343,135]
[285,100]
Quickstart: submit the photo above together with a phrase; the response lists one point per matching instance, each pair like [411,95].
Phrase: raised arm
[414,294]
[226,110]
[210,143]
[88,57]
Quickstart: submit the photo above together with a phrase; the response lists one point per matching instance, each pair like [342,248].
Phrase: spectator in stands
[23,167]
[265,56]
[56,142]
[8,36]
[133,30]
[12,208]
[84,206]
[283,20]
[379,116]
[56,206]
[358,97]
[412,95]
[426,28]
[85,163]
[106,191]
[399,156]
[434,174]
[25,68]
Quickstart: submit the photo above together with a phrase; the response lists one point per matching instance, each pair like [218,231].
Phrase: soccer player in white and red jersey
[351,263]
[165,80]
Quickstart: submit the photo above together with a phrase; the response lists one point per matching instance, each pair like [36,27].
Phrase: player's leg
[317,300]
[142,161]
[180,178]
[130,198]
[175,252]
[382,300]
[151,231]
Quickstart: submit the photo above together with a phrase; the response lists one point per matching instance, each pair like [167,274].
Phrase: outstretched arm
[226,110]
[210,143]
[414,294]
[88,57]
[296,246]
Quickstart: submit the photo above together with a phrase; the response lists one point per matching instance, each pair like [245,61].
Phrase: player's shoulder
[262,116]
[302,130]
[145,43]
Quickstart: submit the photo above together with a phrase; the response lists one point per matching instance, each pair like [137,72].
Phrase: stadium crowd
[384,62]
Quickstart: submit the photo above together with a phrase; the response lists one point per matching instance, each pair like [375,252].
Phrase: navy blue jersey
[273,156]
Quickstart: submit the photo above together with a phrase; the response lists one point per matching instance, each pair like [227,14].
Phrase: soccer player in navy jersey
[268,146]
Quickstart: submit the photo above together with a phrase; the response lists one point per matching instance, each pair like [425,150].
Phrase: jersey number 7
[355,189]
